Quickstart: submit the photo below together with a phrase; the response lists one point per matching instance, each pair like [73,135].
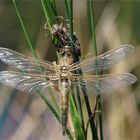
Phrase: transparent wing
[27,64]
[103,61]
[104,83]
[24,82]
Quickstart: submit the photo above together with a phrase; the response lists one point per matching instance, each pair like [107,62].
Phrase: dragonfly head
[66,50]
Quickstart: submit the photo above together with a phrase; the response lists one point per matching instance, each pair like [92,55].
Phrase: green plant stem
[80,108]
[71,19]
[24,30]
[95,53]
[46,13]
[52,2]
[80,135]
[92,27]
[92,124]
[100,116]
[78,105]
[67,9]
[51,12]
[54,101]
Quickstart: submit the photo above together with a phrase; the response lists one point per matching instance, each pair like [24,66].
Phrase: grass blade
[78,105]
[46,14]
[49,15]
[92,123]
[53,5]
[71,19]
[24,30]
[79,133]
[67,11]
[90,3]
[100,116]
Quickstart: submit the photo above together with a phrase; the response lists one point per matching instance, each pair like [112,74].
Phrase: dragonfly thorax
[64,73]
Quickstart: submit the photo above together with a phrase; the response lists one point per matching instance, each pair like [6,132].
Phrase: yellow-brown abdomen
[64,101]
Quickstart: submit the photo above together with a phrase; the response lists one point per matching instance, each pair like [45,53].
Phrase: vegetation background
[26,117]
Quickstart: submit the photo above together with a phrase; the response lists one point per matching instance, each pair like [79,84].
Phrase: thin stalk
[51,11]
[100,116]
[93,115]
[73,112]
[53,4]
[67,9]
[92,124]
[71,20]
[24,30]
[46,13]
[95,53]
[54,101]
[78,105]
[79,133]
[49,105]
[92,27]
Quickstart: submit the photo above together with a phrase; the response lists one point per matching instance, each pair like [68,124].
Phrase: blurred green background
[26,117]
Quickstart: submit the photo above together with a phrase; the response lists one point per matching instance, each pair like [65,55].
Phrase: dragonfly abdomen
[64,100]
[64,118]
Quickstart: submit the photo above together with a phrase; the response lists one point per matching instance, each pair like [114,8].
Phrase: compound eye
[62,50]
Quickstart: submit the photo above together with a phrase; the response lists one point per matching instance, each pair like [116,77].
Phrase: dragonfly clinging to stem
[62,75]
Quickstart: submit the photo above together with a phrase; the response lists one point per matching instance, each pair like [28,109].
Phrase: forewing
[103,61]
[24,63]
[104,83]
[25,82]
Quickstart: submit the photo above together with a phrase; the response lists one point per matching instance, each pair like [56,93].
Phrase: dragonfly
[39,74]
